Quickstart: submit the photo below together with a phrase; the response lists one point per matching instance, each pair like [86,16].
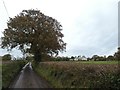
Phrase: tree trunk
[37,56]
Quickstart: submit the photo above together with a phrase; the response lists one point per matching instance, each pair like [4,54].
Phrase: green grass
[80,74]
[9,70]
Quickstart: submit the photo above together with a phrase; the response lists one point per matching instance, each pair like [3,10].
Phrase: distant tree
[33,32]
[95,57]
[102,58]
[72,57]
[84,58]
[56,58]
[110,58]
[105,58]
[65,58]
[6,57]
[89,59]
[117,54]
[60,58]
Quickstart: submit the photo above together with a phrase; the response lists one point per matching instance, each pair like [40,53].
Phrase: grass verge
[9,70]
[79,75]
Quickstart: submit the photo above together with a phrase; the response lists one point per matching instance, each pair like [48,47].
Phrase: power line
[5,8]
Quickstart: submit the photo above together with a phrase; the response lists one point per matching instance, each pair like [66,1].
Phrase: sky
[90,27]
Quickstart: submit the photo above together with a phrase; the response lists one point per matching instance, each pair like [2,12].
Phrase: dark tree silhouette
[117,54]
[35,33]
[6,57]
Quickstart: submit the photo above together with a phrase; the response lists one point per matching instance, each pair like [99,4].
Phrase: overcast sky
[89,26]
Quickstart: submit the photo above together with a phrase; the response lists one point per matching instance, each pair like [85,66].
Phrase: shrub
[10,70]
[6,57]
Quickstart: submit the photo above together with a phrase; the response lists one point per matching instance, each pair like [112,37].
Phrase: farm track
[29,79]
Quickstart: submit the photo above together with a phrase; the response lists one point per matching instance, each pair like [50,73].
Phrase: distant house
[82,58]
[79,58]
[71,59]
[76,59]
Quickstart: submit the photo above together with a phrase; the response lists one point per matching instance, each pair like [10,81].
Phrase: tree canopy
[117,54]
[33,32]
[6,57]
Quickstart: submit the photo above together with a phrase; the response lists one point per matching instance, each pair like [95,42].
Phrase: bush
[6,57]
[9,71]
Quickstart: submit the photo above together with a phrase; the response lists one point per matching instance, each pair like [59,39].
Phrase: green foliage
[117,54]
[72,57]
[59,59]
[29,58]
[110,58]
[98,58]
[6,57]
[9,71]
[79,75]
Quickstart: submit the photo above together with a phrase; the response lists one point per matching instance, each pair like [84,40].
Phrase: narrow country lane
[29,79]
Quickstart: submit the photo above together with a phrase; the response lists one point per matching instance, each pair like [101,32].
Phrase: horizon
[89,27]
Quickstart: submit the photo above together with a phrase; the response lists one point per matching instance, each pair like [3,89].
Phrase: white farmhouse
[82,58]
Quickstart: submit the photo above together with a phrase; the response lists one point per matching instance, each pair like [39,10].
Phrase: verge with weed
[79,75]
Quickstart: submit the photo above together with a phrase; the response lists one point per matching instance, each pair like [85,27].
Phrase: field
[80,74]
[99,62]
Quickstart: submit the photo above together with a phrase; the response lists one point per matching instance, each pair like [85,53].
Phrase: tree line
[114,57]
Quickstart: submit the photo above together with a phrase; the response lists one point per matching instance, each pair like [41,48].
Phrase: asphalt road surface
[29,79]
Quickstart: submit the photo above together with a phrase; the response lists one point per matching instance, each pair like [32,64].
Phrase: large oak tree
[33,32]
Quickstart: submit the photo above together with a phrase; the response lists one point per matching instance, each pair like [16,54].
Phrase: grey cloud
[96,35]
